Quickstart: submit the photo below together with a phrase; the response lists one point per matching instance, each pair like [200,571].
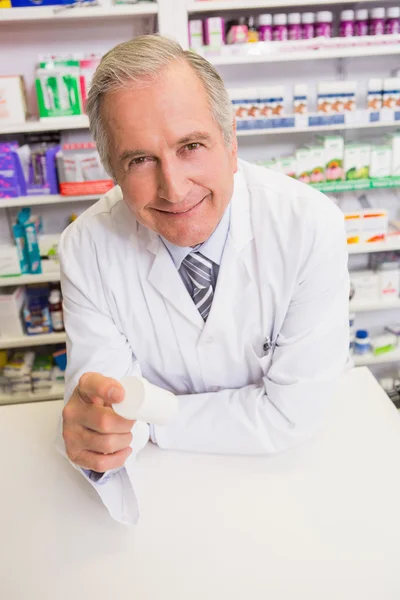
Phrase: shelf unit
[392,243]
[25,341]
[29,279]
[42,200]
[304,55]
[49,124]
[316,128]
[367,360]
[358,307]
[55,393]
[203,6]
[51,14]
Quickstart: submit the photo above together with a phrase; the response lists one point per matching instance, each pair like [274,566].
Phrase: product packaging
[389,281]
[252,33]
[394,141]
[377,21]
[238,32]
[286,165]
[80,170]
[347,23]
[391,93]
[303,165]
[308,26]
[214,31]
[392,25]
[265,28]
[279,28]
[58,88]
[13,107]
[381,161]
[48,249]
[375,90]
[300,99]
[366,226]
[271,101]
[333,155]
[5,3]
[87,67]
[365,284]
[26,232]
[336,97]
[324,24]
[9,261]
[196,33]
[294,26]
[12,181]
[361,23]
[384,343]
[316,164]
[11,302]
[36,310]
[356,161]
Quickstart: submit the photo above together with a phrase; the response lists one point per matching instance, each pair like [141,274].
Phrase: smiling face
[169,157]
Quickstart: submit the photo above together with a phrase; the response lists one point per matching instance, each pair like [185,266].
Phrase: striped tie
[199,270]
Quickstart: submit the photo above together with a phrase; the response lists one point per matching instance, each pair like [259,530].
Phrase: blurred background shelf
[32,340]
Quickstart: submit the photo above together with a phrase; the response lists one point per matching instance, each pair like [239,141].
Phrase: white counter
[321,522]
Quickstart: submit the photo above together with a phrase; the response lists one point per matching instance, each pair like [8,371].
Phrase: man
[220,281]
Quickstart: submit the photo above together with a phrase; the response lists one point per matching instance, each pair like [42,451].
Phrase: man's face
[169,157]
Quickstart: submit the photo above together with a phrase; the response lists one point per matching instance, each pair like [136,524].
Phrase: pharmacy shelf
[204,6]
[50,13]
[365,360]
[315,128]
[358,307]
[55,393]
[48,124]
[389,245]
[317,54]
[26,341]
[355,185]
[41,200]
[29,279]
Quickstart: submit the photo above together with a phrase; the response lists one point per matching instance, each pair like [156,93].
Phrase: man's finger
[105,443]
[102,462]
[96,389]
[103,419]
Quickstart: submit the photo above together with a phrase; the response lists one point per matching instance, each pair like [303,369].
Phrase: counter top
[319,522]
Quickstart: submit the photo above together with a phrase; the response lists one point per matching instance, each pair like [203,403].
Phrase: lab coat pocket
[259,361]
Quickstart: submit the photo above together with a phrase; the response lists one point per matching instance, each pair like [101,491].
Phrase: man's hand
[95,437]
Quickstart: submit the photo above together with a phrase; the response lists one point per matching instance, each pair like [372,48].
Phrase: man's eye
[193,146]
[138,161]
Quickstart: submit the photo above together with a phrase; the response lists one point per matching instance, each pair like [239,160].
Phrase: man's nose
[173,184]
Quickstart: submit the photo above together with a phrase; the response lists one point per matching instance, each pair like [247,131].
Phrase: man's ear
[234,147]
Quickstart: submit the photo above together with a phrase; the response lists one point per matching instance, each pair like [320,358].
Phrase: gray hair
[141,59]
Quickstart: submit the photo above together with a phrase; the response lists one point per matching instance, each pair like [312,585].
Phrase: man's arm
[288,404]
[91,435]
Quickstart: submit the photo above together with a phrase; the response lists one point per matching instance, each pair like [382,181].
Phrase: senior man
[223,282]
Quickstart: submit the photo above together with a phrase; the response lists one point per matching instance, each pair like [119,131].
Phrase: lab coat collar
[166,279]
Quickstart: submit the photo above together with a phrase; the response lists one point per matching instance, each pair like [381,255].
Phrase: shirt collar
[211,248]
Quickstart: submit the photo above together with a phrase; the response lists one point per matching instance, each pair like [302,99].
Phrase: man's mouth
[181,212]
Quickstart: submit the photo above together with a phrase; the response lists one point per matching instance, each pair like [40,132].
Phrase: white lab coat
[283,277]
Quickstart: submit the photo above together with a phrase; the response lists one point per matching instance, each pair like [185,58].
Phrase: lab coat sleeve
[94,344]
[288,405]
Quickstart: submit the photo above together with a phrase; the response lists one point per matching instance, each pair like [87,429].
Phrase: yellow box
[5,3]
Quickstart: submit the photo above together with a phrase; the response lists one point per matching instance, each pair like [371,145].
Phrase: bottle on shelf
[279,29]
[361,22]
[377,21]
[294,26]
[265,28]
[392,24]
[346,28]
[308,26]
[56,311]
[252,32]
[324,24]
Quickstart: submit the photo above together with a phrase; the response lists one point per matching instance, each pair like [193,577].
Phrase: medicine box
[394,142]
[9,261]
[366,285]
[11,302]
[381,161]
[303,164]
[13,108]
[316,164]
[366,225]
[333,157]
[287,165]
[356,161]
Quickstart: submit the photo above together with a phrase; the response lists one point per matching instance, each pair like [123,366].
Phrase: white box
[11,302]
[196,33]
[9,261]
[381,161]
[366,286]
[395,144]
[12,100]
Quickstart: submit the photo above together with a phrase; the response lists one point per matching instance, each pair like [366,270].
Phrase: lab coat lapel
[164,277]
[235,271]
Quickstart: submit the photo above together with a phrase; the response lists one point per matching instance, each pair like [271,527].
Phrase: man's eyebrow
[131,154]
[198,136]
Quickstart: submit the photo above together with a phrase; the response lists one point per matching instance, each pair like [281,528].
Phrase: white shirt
[257,376]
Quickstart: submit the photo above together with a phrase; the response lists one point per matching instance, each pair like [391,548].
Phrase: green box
[58,89]
[357,161]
